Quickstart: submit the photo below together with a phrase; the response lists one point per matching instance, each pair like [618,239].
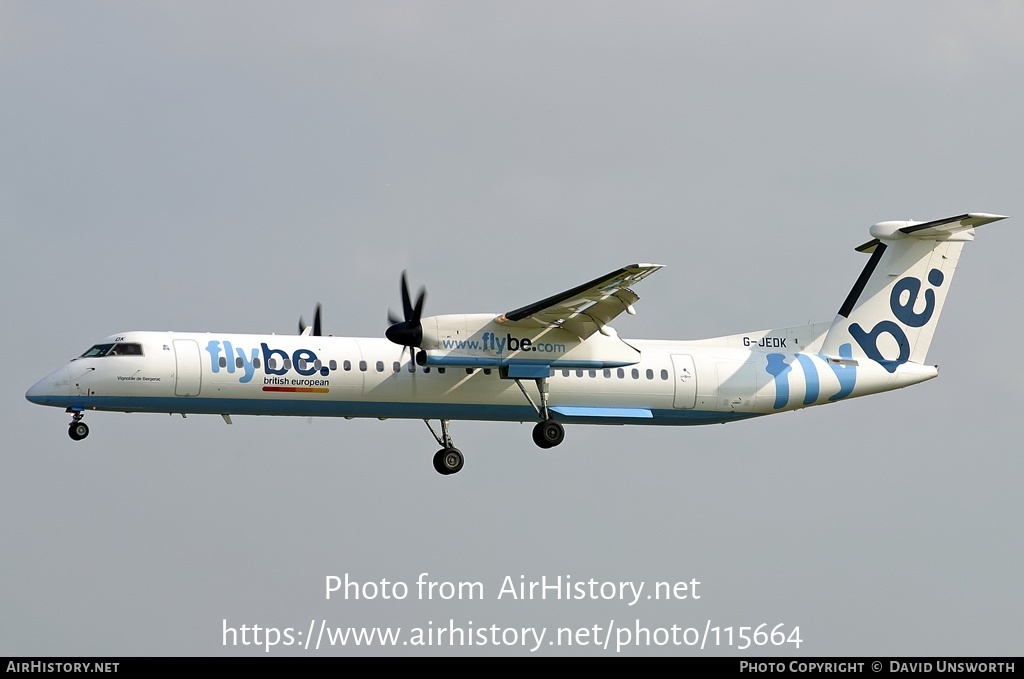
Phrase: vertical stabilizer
[891,313]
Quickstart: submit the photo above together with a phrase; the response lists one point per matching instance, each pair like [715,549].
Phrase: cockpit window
[98,350]
[126,349]
[119,349]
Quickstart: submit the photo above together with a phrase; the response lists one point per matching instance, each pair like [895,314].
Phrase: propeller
[315,330]
[407,331]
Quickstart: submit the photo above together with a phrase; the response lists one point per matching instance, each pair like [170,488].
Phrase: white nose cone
[52,389]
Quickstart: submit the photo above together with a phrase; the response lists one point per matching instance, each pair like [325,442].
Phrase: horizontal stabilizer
[939,229]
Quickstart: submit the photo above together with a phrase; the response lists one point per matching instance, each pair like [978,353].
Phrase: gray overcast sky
[225,166]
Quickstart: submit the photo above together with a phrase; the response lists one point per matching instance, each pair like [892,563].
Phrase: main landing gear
[77,430]
[547,433]
[449,459]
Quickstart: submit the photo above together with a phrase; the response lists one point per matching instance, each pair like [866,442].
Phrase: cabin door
[187,373]
[686,381]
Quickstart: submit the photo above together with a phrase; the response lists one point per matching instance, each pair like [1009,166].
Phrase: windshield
[119,349]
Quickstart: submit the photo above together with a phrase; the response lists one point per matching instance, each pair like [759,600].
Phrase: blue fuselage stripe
[379,409]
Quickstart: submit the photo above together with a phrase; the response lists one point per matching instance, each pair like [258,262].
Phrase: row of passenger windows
[347,365]
[618,372]
[286,364]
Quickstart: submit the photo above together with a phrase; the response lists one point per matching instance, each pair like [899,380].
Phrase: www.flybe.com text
[499,345]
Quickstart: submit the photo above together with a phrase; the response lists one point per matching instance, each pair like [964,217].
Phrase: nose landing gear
[77,430]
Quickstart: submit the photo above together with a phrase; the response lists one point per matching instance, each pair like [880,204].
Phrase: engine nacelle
[478,340]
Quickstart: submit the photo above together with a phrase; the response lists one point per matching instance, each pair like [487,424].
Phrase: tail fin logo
[904,297]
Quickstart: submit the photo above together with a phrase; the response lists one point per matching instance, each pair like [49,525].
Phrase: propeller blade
[315,330]
[406,304]
[418,309]
[407,331]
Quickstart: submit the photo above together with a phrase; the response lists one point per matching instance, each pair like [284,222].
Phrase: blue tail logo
[903,310]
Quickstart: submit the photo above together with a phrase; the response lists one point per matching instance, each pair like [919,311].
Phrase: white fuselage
[673,383]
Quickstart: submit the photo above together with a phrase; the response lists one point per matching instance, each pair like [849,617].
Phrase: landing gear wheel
[448,461]
[548,434]
[78,430]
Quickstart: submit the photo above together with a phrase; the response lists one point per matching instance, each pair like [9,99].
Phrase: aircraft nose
[56,385]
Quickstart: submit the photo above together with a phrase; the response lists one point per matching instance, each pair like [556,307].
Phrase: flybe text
[224,356]
[903,301]
[499,345]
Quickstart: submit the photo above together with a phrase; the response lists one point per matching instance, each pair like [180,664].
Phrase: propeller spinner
[407,331]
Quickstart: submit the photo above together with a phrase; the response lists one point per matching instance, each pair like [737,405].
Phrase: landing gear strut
[547,433]
[449,459]
[77,430]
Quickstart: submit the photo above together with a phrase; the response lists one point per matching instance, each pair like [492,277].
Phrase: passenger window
[636,374]
[256,363]
[347,365]
[380,366]
[396,367]
[287,362]
[607,372]
[223,362]
[238,362]
[621,373]
[333,365]
[271,363]
[650,374]
[362,365]
[664,374]
[441,370]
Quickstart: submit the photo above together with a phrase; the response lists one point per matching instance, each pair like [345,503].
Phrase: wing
[586,308]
